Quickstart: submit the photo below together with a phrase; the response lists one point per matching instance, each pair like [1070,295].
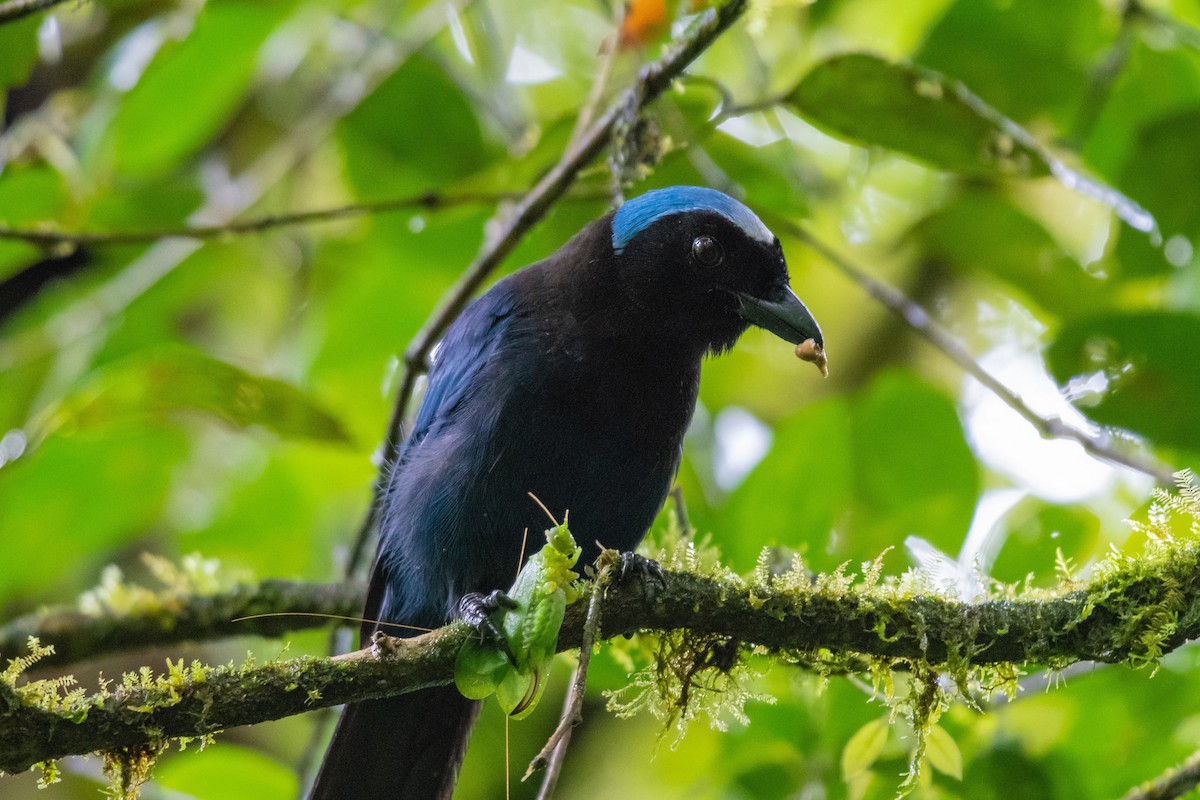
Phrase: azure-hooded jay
[573,379]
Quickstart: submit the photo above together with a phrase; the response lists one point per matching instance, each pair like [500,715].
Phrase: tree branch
[1184,33]
[1175,782]
[429,201]
[1107,621]
[195,703]
[553,753]
[919,320]
[77,636]
[1104,78]
[652,80]
[14,10]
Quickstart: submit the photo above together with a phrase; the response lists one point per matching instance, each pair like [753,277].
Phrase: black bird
[573,379]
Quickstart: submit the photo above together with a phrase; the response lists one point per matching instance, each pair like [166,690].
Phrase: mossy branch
[171,619]
[1114,619]
[195,702]
[1134,614]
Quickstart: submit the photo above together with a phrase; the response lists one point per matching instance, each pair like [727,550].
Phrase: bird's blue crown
[642,212]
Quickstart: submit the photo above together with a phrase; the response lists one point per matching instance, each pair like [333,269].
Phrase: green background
[225,397]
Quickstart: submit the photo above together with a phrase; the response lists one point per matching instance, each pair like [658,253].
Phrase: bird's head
[710,267]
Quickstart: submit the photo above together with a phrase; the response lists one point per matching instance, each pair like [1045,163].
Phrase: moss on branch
[164,617]
[1135,610]
[196,701]
[1102,622]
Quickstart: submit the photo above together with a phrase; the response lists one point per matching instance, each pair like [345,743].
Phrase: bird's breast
[598,437]
[602,438]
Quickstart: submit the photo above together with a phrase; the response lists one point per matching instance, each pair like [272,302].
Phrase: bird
[573,380]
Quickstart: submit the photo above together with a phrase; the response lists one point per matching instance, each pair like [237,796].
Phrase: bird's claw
[647,569]
[476,609]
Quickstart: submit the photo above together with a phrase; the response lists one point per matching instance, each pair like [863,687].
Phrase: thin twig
[1104,77]
[652,80]
[917,318]
[429,201]
[554,752]
[728,106]
[1175,782]
[1184,33]
[609,49]
[14,10]
[681,514]
[558,756]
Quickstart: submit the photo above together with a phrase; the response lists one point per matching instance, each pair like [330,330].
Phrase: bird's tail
[407,747]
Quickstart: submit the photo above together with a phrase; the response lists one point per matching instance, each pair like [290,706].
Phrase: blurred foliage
[225,397]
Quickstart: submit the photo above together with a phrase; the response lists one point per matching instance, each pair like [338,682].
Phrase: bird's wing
[376,589]
[468,346]
[464,352]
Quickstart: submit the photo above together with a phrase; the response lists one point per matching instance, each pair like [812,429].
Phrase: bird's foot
[647,569]
[476,609]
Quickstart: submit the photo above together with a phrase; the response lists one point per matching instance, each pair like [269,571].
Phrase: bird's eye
[706,251]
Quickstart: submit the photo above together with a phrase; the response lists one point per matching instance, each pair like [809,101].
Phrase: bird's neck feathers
[587,293]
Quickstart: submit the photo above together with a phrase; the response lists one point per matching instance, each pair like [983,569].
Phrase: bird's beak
[782,313]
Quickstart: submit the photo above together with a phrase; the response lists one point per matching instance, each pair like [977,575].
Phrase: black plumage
[573,379]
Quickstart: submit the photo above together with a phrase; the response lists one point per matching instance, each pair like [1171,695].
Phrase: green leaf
[70,500]
[1163,172]
[943,753]
[145,205]
[1151,364]
[1156,83]
[981,232]
[363,321]
[211,301]
[417,129]
[916,111]
[273,489]
[773,174]
[858,785]
[798,493]
[544,587]
[150,386]
[925,115]
[1005,770]
[227,771]
[1028,57]
[916,474]
[893,462]
[18,52]
[1034,531]
[191,90]
[864,748]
